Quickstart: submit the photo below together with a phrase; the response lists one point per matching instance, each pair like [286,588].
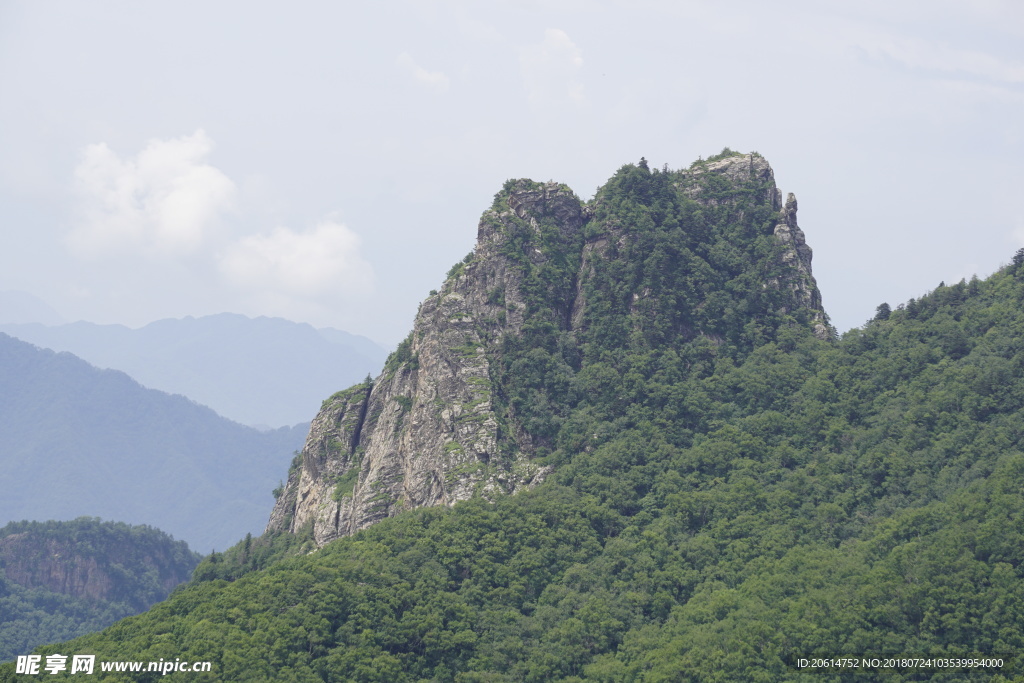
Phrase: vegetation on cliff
[59,580]
[731,489]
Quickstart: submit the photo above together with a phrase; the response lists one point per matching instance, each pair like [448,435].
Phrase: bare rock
[425,432]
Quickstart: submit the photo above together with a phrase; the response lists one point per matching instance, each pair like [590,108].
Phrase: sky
[327,162]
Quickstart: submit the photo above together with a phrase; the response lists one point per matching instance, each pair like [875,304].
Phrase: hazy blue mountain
[359,343]
[17,307]
[79,441]
[265,372]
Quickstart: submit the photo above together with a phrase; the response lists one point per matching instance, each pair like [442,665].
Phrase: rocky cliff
[97,561]
[452,415]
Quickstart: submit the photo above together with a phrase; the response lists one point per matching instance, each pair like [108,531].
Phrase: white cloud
[322,262]
[166,199]
[435,80]
[550,68]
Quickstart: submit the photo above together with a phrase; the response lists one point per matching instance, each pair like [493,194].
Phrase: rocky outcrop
[426,432]
[55,567]
[98,566]
[713,183]
[797,255]
[429,431]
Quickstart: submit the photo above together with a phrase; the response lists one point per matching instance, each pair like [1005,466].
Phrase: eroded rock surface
[425,432]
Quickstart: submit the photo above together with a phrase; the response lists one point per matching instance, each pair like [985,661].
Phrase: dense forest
[60,580]
[731,492]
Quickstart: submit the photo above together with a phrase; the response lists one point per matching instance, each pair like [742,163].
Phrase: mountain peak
[555,292]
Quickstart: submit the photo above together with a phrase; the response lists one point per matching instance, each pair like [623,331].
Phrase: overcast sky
[327,162]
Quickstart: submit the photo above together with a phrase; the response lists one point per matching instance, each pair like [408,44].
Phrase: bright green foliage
[402,354]
[30,617]
[729,491]
[252,554]
[669,285]
[724,154]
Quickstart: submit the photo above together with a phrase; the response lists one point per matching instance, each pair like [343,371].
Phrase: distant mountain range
[79,441]
[263,372]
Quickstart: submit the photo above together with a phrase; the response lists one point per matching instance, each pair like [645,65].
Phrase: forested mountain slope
[59,580]
[728,486]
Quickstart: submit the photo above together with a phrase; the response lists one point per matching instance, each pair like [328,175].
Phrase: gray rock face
[739,170]
[427,431]
[798,256]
